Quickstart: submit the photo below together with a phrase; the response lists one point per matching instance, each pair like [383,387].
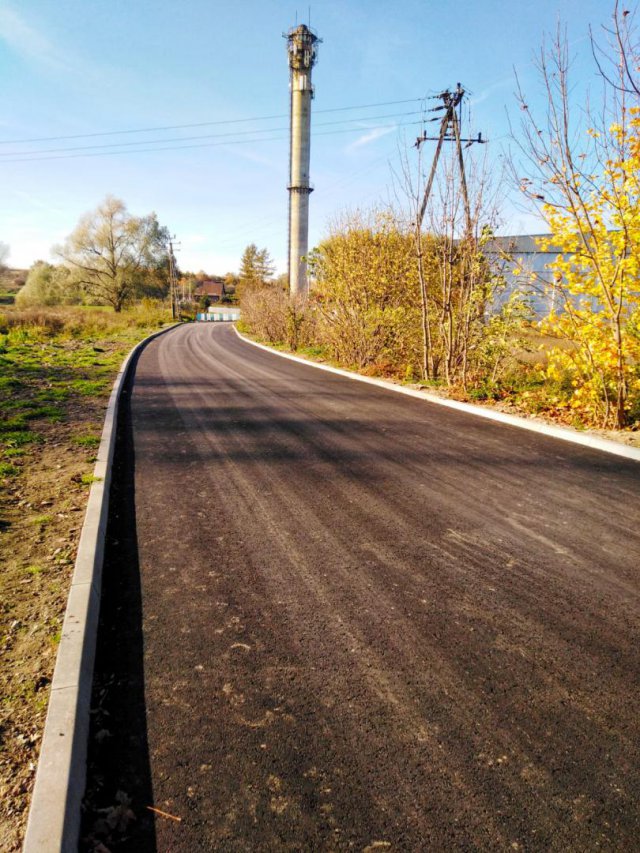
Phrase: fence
[228,315]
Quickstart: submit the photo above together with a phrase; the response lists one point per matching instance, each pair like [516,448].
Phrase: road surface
[366,622]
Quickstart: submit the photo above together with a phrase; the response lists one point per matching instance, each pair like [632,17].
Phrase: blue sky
[74,68]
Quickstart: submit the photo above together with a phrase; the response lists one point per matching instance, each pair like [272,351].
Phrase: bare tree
[453,214]
[618,60]
[115,254]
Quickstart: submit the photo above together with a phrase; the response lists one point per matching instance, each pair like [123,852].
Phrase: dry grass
[56,370]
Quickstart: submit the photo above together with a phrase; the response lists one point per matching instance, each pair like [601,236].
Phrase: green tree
[256,270]
[117,256]
[47,284]
[231,286]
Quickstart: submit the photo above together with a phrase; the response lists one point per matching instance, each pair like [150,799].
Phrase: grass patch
[50,358]
[13,425]
[86,440]
[88,387]
[8,470]
[314,351]
[19,438]
[88,479]
[47,411]
[7,383]
[53,395]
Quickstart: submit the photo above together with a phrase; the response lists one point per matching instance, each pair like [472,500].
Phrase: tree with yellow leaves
[589,194]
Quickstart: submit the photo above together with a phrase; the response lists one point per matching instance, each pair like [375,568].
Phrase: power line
[200,145]
[233,133]
[199,124]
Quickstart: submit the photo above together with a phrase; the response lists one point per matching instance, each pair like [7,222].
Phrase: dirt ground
[42,519]
[53,397]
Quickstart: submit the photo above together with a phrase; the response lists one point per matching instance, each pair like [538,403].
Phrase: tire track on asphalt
[468,721]
[288,504]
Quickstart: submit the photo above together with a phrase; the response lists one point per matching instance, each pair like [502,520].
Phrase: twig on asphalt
[164,814]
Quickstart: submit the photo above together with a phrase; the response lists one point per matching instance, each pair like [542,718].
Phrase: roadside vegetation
[57,366]
[417,293]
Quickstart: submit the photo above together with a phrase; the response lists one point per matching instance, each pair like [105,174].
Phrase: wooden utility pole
[173,284]
[449,132]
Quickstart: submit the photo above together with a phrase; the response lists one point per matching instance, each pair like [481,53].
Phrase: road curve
[373,623]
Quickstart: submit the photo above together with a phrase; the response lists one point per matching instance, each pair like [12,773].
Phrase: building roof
[210,287]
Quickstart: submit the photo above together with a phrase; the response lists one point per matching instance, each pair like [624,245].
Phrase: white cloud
[371,136]
[28,42]
[494,87]
[247,154]
[38,203]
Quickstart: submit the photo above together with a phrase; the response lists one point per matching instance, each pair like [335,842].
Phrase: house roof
[210,287]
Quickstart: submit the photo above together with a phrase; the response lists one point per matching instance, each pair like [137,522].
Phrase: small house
[211,287]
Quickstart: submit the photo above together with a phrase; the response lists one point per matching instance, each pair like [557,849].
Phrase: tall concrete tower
[302,50]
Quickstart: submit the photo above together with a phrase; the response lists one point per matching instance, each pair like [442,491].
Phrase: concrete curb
[563,433]
[55,811]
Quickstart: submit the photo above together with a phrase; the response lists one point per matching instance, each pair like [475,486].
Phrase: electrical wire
[198,124]
[199,145]
[233,133]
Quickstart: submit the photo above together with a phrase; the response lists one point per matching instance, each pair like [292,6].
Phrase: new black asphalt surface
[369,622]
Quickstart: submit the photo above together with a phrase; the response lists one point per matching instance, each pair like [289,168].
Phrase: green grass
[51,357]
[58,395]
[314,351]
[19,438]
[50,412]
[87,387]
[88,479]
[86,440]
[13,426]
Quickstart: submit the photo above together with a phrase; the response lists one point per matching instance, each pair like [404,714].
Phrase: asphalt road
[369,622]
